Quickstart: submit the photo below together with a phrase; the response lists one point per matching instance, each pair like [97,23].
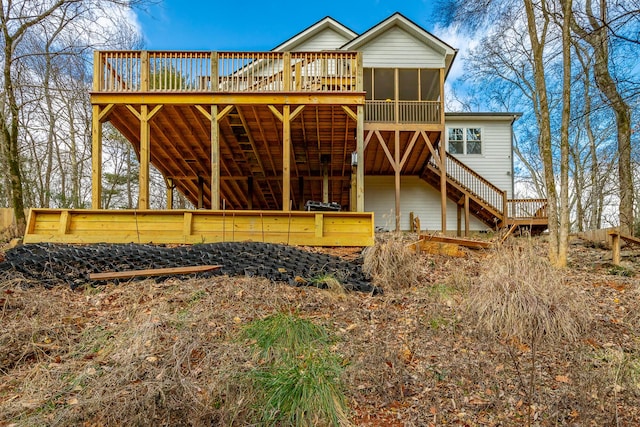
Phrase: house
[341,119]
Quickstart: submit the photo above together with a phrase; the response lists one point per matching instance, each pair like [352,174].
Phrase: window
[464,140]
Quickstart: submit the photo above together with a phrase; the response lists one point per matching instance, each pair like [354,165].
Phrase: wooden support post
[145,157]
[615,247]
[286,154]
[505,208]
[353,189]
[360,155]
[412,227]
[325,183]
[459,224]
[96,158]
[397,169]
[170,187]
[466,215]
[215,159]
[301,193]
[443,156]
[443,185]
[250,193]
[200,192]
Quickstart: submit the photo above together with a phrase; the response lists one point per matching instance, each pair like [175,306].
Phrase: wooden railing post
[144,71]
[97,71]
[286,71]
[359,73]
[214,72]
[505,206]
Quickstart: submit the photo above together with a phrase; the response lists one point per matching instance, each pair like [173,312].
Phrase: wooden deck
[202,226]
[267,131]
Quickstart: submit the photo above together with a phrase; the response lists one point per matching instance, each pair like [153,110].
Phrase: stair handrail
[474,183]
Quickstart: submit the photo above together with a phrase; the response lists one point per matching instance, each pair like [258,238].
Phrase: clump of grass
[618,270]
[284,332]
[299,382]
[301,391]
[391,263]
[520,299]
[519,294]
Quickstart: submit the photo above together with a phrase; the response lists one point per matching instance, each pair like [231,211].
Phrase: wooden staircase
[486,202]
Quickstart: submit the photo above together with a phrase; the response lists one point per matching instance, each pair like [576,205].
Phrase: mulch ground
[412,356]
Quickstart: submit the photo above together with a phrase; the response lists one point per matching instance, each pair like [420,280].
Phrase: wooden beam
[296,112]
[397,169]
[222,98]
[129,274]
[226,110]
[96,158]
[276,113]
[215,159]
[201,226]
[409,149]
[360,154]
[350,113]
[443,186]
[387,152]
[286,158]
[145,158]
[204,112]
[105,112]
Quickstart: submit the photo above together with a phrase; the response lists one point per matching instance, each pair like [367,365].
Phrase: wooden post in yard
[443,155]
[215,159]
[286,158]
[96,158]
[145,156]
[615,247]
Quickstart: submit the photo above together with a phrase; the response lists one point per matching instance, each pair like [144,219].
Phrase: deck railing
[407,111]
[153,71]
[527,208]
[474,183]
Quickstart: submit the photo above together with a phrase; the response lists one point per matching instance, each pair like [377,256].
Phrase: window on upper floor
[464,140]
[414,84]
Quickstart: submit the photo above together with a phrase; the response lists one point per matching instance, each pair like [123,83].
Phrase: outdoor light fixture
[354,158]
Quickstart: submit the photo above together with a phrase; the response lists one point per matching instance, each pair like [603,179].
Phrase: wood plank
[458,241]
[129,274]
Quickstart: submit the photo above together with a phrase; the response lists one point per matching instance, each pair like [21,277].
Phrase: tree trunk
[544,121]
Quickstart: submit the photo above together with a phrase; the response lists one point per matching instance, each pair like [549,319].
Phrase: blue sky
[260,25]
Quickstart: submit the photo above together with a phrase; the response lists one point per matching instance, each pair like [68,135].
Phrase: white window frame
[465,140]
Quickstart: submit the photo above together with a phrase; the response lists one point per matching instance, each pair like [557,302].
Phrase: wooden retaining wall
[200,226]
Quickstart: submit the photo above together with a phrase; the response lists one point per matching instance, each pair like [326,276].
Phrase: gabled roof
[401,21]
[323,24]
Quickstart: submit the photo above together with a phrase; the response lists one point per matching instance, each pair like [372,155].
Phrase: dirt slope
[168,353]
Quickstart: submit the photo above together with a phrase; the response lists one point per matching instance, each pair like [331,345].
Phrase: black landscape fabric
[55,264]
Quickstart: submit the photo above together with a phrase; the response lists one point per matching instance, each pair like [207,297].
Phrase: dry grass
[391,264]
[519,295]
[171,353]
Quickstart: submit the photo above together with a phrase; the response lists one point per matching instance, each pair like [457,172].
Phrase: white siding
[328,39]
[396,48]
[415,196]
[494,164]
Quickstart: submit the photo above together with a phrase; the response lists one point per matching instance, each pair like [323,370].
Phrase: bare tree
[596,29]
[43,23]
